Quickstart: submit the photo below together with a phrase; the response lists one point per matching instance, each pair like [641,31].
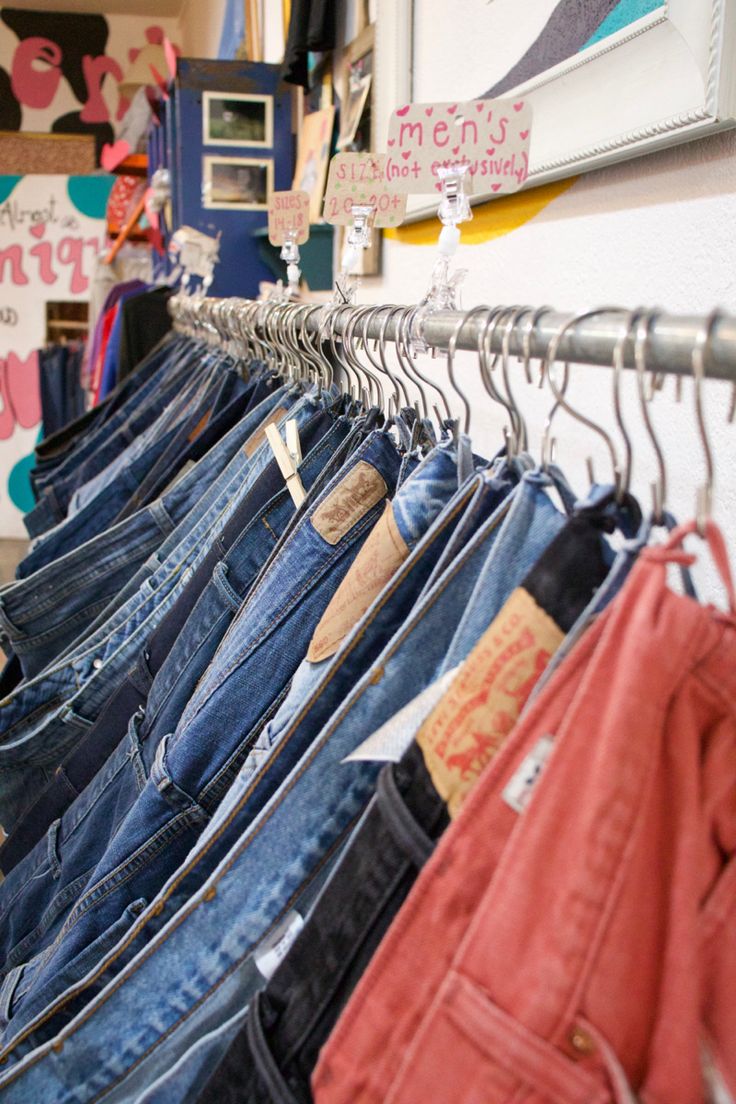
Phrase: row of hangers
[284,335]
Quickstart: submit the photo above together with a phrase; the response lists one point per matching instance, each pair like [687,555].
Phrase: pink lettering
[69,251]
[469,123]
[441,127]
[95,70]
[45,253]
[23,390]
[411,128]
[7,421]
[13,255]
[35,86]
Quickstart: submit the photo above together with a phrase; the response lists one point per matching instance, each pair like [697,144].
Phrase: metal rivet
[97,663]
[581,1041]
[210,893]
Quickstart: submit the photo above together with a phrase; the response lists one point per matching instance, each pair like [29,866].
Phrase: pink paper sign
[358,179]
[288,211]
[490,136]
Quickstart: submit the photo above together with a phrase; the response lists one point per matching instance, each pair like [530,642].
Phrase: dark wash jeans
[367,640]
[106,441]
[48,611]
[36,896]
[172,661]
[192,769]
[272,1057]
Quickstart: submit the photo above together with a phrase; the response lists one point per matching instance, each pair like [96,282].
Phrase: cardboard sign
[491,136]
[358,178]
[288,211]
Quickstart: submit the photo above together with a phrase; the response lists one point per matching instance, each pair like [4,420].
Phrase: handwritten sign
[288,211]
[359,179]
[490,136]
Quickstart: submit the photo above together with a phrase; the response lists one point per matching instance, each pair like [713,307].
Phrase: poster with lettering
[51,229]
[358,179]
[288,212]
[491,137]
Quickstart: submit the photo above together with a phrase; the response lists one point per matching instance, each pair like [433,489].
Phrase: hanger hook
[704,502]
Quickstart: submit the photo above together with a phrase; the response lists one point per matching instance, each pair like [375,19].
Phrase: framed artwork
[237,119]
[607,79]
[310,175]
[356,125]
[236,183]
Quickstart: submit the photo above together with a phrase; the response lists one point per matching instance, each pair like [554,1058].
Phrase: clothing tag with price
[357,179]
[288,212]
[490,137]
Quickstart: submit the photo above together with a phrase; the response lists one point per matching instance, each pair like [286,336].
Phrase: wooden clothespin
[288,457]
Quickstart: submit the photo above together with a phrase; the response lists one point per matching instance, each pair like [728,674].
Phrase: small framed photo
[236,183]
[237,119]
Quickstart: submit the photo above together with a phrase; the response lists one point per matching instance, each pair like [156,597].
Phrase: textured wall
[659,231]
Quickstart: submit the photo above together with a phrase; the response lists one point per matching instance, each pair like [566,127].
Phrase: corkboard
[67,154]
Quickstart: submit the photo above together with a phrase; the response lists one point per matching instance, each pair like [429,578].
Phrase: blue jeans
[50,610]
[382,618]
[36,896]
[31,750]
[270,633]
[94,453]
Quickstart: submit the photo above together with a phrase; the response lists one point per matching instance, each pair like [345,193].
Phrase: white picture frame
[215,189]
[209,99]
[673,72]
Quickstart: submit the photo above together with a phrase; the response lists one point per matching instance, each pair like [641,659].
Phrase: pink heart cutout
[495,187]
[406,154]
[402,110]
[480,105]
[112,155]
[452,110]
[391,142]
[456,150]
[428,111]
[438,187]
[518,106]
[38,230]
[524,134]
[491,151]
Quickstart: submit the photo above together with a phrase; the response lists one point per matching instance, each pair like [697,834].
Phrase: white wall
[658,231]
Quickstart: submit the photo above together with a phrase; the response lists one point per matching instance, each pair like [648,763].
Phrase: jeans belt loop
[410,836]
[264,1060]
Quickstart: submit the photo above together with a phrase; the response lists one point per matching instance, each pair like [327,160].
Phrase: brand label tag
[519,789]
[490,136]
[358,178]
[351,499]
[275,948]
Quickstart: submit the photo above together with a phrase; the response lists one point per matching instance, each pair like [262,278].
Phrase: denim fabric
[366,640]
[271,1059]
[62,398]
[102,509]
[171,661]
[58,603]
[191,770]
[87,678]
[36,896]
[107,440]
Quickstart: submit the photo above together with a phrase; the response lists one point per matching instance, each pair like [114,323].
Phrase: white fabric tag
[274,950]
[716,1089]
[519,789]
[389,742]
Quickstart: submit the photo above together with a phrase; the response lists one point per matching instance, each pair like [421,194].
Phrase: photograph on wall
[352,110]
[315,139]
[237,119]
[236,183]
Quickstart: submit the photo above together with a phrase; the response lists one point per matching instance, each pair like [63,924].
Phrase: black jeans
[272,1057]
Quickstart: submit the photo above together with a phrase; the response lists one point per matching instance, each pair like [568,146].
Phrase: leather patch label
[378,560]
[258,436]
[200,426]
[471,722]
[353,497]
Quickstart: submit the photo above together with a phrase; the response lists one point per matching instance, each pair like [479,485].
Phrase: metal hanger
[399,387]
[644,326]
[409,362]
[485,336]
[561,401]
[704,496]
[450,361]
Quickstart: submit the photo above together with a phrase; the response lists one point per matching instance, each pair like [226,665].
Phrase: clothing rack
[592,340]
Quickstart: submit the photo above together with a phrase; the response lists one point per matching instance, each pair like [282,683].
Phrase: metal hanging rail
[591,341]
